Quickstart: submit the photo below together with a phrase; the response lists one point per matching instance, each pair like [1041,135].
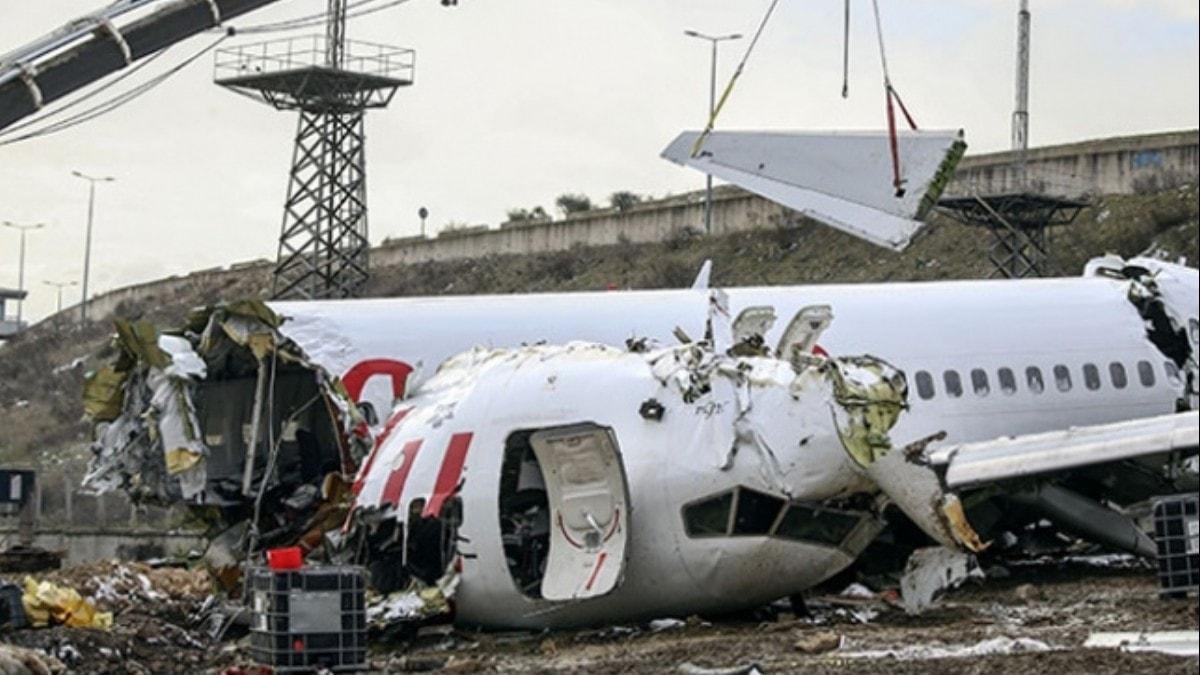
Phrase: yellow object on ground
[49,604]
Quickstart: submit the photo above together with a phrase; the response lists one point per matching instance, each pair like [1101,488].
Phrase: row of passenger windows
[1035,382]
[746,512]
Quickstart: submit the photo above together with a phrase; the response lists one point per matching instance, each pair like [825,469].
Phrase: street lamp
[21,265]
[87,248]
[60,285]
[712,104]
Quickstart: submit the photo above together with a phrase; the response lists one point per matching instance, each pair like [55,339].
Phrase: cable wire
[115,102]
[124,74]
[712,119]
[313,20]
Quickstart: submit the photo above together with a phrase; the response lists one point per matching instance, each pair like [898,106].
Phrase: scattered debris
[418,604]
[990,647]
[819,642]
[1174,642]
[930,572]
[688,668]
[47,604]
[659,625]
[20,661]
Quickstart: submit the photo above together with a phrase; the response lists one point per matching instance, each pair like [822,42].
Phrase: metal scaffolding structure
[1019,220]
[1019,223]
[331,82]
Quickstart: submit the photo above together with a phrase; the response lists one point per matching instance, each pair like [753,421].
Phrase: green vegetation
[573,203]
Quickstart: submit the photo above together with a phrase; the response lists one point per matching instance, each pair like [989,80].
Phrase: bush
[573,203]
[535,215]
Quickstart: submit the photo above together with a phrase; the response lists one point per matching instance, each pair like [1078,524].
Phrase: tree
[573,203]
[624,199]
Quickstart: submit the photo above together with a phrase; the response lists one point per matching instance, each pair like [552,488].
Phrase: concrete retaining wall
[1120,165]
[86,546]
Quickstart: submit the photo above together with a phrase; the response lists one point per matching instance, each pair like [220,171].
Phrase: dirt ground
[1040,614]
[1055,605]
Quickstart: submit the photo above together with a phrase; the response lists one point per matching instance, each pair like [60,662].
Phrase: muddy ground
[1053,604]
[1042,613]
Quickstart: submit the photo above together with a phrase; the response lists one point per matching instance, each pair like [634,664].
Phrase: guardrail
[311,51]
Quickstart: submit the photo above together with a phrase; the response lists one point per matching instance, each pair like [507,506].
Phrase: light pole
[712,104]
[87,248]
[60,285]
[21,264]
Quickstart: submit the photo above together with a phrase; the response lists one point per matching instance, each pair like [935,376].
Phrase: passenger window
[953,383]
[1062,378]
[824,527]
[1033,379]
[1146,373]
[756,512]
[979,382]
[1116,372]
[924,385]
[709,517]
[1172,373]
[1008,381]
[1091,376]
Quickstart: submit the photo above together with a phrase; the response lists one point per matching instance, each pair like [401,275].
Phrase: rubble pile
[152,622]
[120,587]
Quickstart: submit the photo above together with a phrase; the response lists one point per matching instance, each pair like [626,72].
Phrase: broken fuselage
[981,359]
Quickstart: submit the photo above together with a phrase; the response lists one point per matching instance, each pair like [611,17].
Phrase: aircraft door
[589,510]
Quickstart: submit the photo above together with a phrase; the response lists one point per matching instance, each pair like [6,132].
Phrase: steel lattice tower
[331,81]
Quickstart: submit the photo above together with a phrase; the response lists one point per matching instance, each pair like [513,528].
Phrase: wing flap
[971,464]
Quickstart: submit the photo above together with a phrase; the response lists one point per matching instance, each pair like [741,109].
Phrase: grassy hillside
[41,372]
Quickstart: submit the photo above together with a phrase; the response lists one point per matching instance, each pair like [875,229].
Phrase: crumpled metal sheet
[932,571]
[149,440]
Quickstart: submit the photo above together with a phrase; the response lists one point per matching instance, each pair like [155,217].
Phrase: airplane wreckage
[591,457]
[571,482]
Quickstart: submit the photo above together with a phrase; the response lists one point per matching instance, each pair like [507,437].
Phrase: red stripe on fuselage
[449,475]
[394,420]
[399,475]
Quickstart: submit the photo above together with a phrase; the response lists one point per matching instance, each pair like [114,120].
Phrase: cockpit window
[747,512]
[709,517]
[822,526]
[756,512]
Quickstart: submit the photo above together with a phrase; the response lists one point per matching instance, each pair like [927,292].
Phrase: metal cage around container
[1177,535]
[308,619]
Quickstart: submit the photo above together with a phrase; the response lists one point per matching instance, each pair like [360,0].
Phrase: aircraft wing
[972,464]
[842,179]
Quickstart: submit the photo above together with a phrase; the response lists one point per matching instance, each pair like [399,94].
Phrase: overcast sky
[518,101]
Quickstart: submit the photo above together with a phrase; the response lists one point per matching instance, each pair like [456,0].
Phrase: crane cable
[318,19]
[893,99]
[712,119]
[846,52]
